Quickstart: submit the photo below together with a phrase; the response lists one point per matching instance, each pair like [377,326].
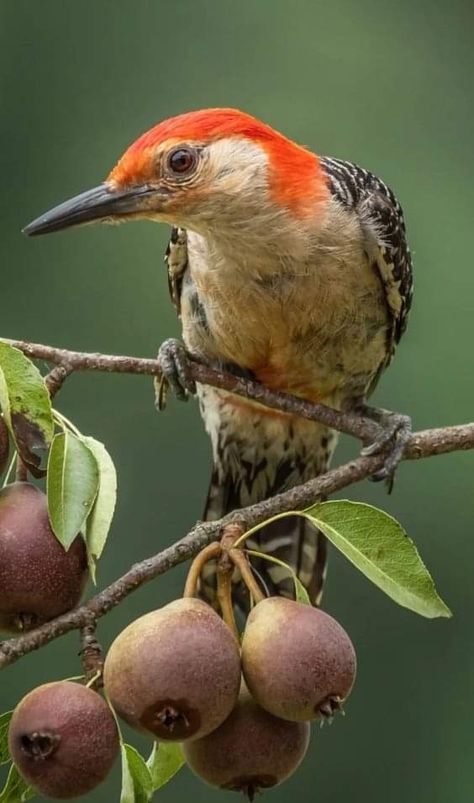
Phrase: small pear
[174,673]
[251,751]
[298,662]
[39,580]
[63,739]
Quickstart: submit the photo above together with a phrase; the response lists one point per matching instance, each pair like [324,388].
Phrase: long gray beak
[99,204]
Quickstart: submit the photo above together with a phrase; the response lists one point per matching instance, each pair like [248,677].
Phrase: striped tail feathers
[298,543]
[293,540]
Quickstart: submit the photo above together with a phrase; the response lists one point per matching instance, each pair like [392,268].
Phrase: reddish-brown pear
[63,739]
[39,580]
[175,672]
[298,662]
[251,751]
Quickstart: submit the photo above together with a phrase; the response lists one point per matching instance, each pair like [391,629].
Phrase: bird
[284,266]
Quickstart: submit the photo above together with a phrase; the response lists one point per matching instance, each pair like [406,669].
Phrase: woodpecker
[284,266]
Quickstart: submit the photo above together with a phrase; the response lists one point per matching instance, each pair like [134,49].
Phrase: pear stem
[21,472]
[225,569]
[242,563]
[211,551]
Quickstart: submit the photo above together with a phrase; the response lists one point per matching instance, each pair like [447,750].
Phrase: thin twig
[211,551]
[224,570]
[55,379]
[351,423]
[21,471]
[239,559]
[91,656]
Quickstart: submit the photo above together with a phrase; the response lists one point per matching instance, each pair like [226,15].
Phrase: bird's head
[214,167]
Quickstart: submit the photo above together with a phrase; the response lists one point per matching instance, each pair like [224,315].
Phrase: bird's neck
[263,245]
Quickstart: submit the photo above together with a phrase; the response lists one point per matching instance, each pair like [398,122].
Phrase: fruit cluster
[242,714]
[241,709]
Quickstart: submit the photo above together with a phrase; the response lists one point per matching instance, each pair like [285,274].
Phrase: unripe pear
[298,662]
[63,739]
[39,580]
[174,673]
[251,751]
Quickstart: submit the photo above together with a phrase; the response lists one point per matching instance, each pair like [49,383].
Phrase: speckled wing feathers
[381,217]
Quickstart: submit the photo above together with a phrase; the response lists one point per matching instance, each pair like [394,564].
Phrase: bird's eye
[181,161]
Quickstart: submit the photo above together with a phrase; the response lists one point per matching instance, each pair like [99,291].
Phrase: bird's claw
[175,374]
[394,436]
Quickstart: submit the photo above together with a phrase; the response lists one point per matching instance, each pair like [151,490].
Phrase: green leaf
[166,759]
[73,482]
[4,725]
[100,518]
[379,547]
[16,790]
[137,786]
[301,595]
[26,404]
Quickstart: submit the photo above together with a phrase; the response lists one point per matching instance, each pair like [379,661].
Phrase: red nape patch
[297,179]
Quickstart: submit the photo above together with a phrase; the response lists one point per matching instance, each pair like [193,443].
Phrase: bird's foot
[394,436]
[175,374]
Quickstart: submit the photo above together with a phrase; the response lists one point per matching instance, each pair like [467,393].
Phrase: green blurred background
[384,84]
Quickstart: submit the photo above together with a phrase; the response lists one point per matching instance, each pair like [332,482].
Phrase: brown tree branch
[350,423]
[422,444]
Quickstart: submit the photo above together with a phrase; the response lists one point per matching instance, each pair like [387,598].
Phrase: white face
[237,167]
[201,186]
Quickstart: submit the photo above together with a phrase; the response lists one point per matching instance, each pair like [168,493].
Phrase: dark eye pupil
[181,161]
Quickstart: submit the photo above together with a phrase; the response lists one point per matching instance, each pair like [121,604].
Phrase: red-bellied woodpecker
[289,267]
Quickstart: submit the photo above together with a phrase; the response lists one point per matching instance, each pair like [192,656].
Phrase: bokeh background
[387,85]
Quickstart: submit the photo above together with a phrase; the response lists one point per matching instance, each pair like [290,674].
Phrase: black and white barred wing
[381,218]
